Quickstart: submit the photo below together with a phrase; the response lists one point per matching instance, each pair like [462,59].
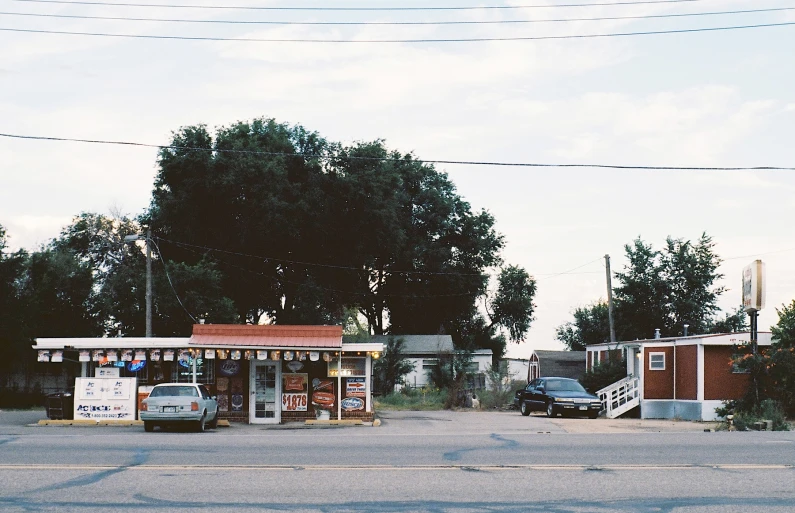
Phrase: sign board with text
[754,286]
[110,398]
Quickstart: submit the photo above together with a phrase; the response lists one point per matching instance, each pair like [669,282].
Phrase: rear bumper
[183,416]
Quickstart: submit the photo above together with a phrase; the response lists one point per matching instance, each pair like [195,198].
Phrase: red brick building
[681,377]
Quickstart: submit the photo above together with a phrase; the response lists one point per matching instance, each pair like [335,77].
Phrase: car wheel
[201,424]
[551,410]
[214,423]
[525,409]
[149,426]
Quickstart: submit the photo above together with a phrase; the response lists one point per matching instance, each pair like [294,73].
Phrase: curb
[86,422]
[350,422]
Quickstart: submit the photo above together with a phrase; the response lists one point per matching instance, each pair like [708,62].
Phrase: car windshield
[560,385]
[176,390]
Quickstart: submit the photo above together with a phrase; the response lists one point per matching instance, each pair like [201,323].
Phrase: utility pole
[148,239]
[149,283]
[610,300]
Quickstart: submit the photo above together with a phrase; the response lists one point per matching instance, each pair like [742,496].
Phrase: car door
[538,398]
[530,394]
[207,401]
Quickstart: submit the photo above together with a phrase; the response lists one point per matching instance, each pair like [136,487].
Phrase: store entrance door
[264,408]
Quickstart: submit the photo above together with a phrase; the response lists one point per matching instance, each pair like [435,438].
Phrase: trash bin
[60,406]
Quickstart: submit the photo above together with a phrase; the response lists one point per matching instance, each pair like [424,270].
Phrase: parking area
[393,421]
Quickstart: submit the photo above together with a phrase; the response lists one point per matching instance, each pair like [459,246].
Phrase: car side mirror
[214,397]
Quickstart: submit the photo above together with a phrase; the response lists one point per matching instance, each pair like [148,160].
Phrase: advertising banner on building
[110,398]
[295,388]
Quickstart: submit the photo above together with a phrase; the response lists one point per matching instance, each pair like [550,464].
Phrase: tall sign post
[754,296]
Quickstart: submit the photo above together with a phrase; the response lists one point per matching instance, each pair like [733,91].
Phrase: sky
[689,99]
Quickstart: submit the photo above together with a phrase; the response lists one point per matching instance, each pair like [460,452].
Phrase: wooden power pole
[610,300]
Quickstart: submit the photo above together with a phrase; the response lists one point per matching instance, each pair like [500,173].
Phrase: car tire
[201,424]
[149,426]
[525,409]
[214,423]
[551,410]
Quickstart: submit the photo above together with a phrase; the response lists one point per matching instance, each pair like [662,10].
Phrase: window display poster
[296,389]
[105,398]
[223,402]
[354,387]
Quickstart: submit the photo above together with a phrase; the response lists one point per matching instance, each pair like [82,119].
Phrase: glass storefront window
[182,371]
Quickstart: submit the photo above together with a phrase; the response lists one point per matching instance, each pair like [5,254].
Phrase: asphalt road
[415,461]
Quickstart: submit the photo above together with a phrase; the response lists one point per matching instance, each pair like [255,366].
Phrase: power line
[276,8]
[165,268]
[435,23]
[389,159]
[422,40]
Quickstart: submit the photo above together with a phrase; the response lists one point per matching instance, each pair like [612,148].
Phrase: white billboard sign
[754,286]
[110,398]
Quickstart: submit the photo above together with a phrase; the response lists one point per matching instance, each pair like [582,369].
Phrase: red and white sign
[294,402]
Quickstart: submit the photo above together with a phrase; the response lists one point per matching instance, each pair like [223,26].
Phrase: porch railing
[620,397]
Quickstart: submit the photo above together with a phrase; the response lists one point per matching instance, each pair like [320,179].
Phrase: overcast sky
[709,99]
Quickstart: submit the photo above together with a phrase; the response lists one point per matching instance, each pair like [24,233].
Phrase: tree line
[266,222]
[663,289]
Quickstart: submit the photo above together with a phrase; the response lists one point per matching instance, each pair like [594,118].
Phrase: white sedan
[179,403]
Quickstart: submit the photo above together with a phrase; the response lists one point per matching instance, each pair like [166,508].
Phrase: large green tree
[301,228]
[13,340]
[591,325]
[668,288]
[182,292]
[663,289]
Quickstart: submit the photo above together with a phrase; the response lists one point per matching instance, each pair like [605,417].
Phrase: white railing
[620,397]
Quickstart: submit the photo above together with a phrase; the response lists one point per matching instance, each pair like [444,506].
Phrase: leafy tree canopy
[306,228]
[663,289]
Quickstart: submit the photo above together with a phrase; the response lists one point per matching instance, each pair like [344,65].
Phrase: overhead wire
[390,159]
[168,277]
[393,8]
[393,23]
[406,41]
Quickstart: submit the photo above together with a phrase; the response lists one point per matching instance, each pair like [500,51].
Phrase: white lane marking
[400,467]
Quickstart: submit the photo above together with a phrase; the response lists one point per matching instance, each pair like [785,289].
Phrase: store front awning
[271,336]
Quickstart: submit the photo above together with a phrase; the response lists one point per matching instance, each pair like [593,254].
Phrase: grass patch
[413,399]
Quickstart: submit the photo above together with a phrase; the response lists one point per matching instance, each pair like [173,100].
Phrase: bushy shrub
[604,374]
[744,419]
[413,399]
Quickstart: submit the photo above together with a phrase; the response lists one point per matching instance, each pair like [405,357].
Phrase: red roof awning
[276,336]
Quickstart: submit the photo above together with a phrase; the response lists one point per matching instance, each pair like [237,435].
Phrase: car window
[174,391]
[564,385]
[205,393]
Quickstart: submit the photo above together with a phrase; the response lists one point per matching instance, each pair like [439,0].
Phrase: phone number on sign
[294,402]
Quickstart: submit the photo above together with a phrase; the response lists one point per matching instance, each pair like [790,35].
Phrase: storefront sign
[106,372]
[105,398]
[323,393]
[57,356]
[229,367]
[355,387]
[296,391]
[154,355]
[126,355]
[140,354]
[168,355]
[85,356]
[294,402]
[44,356]
[352,404]
[351,366]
